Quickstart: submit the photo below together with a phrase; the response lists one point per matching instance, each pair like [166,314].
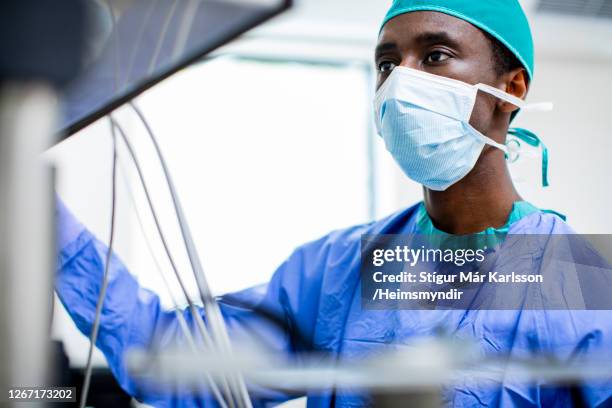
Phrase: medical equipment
[202,26]
[133,45]
[412,374]
[39,76]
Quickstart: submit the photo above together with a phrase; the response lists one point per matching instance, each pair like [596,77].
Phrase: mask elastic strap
[493,143]
[531,139]
[518,102]
[488,140]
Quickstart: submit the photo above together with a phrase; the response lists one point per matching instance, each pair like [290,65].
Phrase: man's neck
[483,199]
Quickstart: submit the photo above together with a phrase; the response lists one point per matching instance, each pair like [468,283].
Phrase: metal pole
[27,114]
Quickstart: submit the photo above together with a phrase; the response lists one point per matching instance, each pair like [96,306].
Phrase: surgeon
[451,76]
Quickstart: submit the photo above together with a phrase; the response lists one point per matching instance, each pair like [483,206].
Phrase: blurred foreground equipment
[39,54]
[411,375]
[64,65]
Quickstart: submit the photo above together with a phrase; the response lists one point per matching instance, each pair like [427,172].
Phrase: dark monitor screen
[134,44]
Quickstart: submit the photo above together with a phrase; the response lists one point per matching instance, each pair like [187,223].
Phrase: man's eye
[436,57]
[386,66]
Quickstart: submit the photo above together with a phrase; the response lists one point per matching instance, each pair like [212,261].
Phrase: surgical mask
[424,121]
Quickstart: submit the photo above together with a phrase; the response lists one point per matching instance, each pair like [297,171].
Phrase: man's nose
[411,61]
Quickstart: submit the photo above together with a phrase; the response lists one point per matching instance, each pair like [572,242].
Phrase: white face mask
[424,120]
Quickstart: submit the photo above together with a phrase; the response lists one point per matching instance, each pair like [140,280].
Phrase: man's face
[442,45]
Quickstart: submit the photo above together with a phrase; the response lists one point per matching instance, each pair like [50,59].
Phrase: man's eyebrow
[439,37]
[384,47]
[426,38]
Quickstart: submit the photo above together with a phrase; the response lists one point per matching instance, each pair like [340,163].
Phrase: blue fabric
[317,291]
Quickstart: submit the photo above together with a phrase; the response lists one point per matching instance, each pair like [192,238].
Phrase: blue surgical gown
[316,293]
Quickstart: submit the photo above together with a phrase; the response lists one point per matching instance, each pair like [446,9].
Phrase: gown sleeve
[132,317]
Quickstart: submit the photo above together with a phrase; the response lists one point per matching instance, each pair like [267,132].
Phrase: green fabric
[503,19]
[490,237]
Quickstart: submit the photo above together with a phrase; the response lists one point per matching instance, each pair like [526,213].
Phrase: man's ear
[517,84]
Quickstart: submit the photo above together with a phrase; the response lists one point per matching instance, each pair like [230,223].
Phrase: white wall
[578,134]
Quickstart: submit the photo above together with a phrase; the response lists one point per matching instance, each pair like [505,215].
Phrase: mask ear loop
[523,134]
[531,139]
[518,102]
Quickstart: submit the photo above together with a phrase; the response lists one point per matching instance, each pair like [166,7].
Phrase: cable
[182,323]
[109,252]
[96,323]
[196,316]
[215,317]
[158,267]
[213,311]
[299,339]
[179,316]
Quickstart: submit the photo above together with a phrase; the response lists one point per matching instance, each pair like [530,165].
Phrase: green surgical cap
[503,19]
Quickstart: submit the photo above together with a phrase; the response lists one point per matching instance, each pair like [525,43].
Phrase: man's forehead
[424,27]
[423,38]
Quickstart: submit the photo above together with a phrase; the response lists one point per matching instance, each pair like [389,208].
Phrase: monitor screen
[133,44]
